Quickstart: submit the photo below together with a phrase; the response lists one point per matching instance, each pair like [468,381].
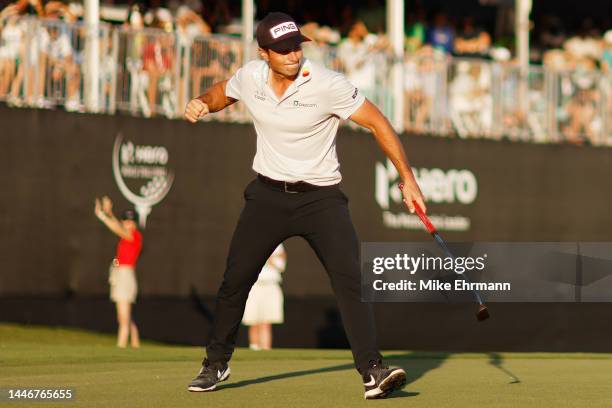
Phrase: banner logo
[142,174]
[453,186]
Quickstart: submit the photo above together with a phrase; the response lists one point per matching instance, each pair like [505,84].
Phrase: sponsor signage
[452,186]
[142,174]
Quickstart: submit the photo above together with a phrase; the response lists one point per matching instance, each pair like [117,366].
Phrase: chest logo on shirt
[260,95]
[299,104]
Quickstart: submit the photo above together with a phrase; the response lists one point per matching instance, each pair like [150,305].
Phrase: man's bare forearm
[215,97]
[392,147]
[370,117]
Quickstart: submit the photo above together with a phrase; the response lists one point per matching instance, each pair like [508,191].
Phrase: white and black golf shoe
[210,374]
[380,381]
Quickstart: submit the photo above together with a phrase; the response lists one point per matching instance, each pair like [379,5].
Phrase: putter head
[483,313]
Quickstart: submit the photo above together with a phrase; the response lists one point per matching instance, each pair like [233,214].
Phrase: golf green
[157,375]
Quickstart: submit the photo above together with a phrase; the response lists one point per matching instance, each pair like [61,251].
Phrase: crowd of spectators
[36,61]
[155,59]
[580,60]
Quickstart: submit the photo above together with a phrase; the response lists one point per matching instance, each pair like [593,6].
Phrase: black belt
[287,187]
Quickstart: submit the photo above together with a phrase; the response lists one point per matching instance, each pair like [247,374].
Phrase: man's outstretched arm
[371,118]
[213,100]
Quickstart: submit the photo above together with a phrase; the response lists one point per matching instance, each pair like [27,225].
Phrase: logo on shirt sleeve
[355,93]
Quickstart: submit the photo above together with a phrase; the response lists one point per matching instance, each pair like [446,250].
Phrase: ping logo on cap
[282,29]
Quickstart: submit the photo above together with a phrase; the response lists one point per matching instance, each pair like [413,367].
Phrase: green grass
[156,375]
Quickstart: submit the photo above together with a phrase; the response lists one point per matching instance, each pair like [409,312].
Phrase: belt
[287,187]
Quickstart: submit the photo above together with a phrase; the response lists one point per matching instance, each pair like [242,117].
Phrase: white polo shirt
[296,134]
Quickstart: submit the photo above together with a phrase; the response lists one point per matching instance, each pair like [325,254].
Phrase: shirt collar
[305,73]
[260,75]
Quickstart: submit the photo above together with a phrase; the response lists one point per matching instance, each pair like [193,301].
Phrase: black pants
[269,217]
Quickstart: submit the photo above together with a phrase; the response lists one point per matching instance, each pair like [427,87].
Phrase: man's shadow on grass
[415,364]
[497,361]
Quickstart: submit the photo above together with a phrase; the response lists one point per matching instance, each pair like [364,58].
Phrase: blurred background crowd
[460,74]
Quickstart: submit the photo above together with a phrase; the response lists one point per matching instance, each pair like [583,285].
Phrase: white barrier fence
[152,72]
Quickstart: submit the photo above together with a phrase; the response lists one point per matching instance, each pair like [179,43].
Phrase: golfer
[296,108]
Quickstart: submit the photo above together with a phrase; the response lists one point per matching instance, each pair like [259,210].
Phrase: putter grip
[421,214]
[423,217]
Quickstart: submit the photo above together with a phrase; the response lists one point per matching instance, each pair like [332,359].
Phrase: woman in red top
[122,272]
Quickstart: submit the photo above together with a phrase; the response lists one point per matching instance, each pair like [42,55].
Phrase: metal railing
[484,99]
[152,72]
[42,64]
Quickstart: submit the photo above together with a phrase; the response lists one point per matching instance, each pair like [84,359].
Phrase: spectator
[585,44]
[189,26]
[264,305]
[584,122]
[108,70]
[472,41]
[65,73]
[59,11]
[441,35]
[422,75]
[24,7]
[556,60]
[11,37]
[471,100]
[158,17]
[416,32]
[65,60]
[210,59]
[329,38]
[122,279]
[158,62]
[229,57]
[34,56]
[606,56]
[31,56]
[314,52]
[319,50]
[138,78]
[355,53]
[606,63]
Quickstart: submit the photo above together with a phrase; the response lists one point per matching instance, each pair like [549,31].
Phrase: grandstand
[156,61]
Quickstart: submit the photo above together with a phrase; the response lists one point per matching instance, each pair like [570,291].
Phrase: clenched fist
[195,110]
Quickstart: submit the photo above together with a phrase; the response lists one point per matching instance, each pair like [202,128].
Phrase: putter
[483,311]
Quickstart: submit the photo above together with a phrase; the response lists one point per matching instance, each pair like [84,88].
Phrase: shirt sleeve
[233,87]
[346,98]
